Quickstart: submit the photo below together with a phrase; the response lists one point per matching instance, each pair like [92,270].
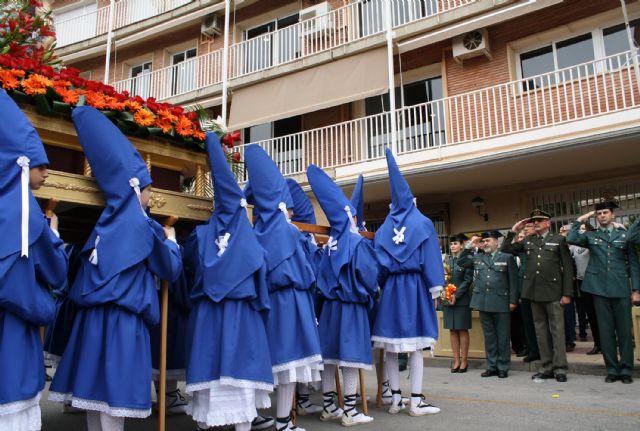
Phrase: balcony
[345,25]
[595,96]
[91,21]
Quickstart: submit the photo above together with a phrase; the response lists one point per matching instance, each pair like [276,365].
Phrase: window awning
[331,84]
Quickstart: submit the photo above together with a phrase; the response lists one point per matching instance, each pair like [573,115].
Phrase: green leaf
[42,104]
[154,131]
[125,116]
[20,97]
[63,108]
[52,95]
[111,114]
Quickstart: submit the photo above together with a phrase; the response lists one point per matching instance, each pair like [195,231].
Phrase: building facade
[500,105]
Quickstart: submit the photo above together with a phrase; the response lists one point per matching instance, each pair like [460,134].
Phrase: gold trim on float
[157,200]
[200,207]
[71,187]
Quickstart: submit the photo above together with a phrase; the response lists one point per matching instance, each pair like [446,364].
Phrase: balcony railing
[96,22]
[580,92]
[339,27]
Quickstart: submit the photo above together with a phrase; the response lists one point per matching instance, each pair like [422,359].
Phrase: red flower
[177,110]
[236,157]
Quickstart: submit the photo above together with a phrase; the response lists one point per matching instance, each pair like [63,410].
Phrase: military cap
[491,234]
[538,214]
[605,205]
[459,237]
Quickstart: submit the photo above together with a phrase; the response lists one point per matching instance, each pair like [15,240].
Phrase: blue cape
[302,207]
[404,214]
[243,255]
[126,234]
[18,138]
[357,200]
[271,196]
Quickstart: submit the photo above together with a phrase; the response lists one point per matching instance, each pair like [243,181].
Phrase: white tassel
[331,245]
[23,162]
[283,207]
[354,228]
[399,237]
[135,184]
[222,242]
[93,258]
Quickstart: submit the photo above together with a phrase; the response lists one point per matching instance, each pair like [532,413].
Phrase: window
[265,47]
[183,74]
[418,128]
[372,13]
[286,151]
[563,55]
[140,80]
[76,24]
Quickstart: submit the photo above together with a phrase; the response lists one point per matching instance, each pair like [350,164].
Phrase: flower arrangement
[448,294]
[30,73]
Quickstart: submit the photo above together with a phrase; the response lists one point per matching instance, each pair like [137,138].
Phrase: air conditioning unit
[211,25]
[471,45]
[316,19]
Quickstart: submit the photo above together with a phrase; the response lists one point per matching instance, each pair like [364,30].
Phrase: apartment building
[498,106]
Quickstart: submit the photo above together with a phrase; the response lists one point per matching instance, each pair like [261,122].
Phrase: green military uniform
[548,275]
[458,316]
[495,286]
[612,272]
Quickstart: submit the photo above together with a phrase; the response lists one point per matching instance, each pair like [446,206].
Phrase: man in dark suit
[548,284]
[613,278]
[495,294]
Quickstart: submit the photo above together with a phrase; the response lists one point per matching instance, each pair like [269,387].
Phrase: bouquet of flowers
[448,293]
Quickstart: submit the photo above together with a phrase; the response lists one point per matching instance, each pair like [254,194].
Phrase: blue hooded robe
[411,272]
[25,301]
[291,326]
[347,279]
[228,360]
[106,365]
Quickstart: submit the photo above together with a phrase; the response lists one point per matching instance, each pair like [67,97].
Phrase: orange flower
[68,96]
[10,78]
[132,105]
[184,126]
[36,84]
[163,123]
[167,115]
[64,84]
[144,117]
[95,99]
[113,104]
[199,135]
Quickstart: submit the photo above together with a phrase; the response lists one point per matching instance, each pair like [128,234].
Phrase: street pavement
[468,402]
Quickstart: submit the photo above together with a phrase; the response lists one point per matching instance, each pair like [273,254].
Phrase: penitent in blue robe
[344,319]
[106,365]
[25,305]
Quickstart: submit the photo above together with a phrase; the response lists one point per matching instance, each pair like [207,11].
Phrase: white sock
[93,421]
[417,371]
[393,372]
[171,386]
[285,400]
[245,426]
[329,378]
[111,423]
[350,376]
[203,426]
[303,389]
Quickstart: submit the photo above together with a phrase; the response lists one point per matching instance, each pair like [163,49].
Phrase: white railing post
[391,76]
[109,37]
[632,46]
[225,61]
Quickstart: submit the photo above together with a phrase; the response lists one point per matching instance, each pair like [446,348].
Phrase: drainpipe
[109,37]
[392,91]
[632,45]
[225,61]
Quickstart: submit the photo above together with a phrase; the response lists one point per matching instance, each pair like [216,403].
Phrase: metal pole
[225,61]
[109,36]
[392,85]
[632,45]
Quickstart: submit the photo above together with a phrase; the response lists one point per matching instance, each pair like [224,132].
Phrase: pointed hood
[405,228]
[357,200]
[338,209]
[227,244]
[248,194]
[21,219]
[302,207]
[272,199]
[123,235]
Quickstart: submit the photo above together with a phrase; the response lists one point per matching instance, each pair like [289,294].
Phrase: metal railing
[575,93]
[338,27]
[96,22]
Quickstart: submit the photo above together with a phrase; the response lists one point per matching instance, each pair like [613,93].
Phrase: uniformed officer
[457,316]
[495,294]
[612,273]
[548,284]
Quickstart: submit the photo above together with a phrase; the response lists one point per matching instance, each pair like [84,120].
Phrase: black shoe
[542,376]
[583,338]
[463,370]
[561,378]
[595,351]
[522,353]
[570,347]
[503,374]
[626,379]
[489,373]
[610,378]
[530,358]
[455,370]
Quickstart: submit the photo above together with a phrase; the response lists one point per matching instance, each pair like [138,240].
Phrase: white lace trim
[347,364]
[315,359]
[304,370]
[25,420]
[50,359]
[229,381]
[98,406]
[18,406]
[398,345]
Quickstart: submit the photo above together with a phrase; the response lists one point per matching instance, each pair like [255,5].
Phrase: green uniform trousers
[548,318]
[614,322]
[497,335]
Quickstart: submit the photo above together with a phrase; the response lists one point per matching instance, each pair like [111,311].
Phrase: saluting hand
[586,216]
[520,225]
